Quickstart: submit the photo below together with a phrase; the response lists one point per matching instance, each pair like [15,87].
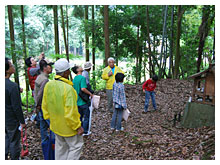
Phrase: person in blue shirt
[119,100]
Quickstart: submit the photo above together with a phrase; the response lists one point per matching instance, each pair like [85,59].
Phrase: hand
[80,131]
[23,125]
[42,56]
[91,95]
[21,90]
[38,107]
[110,73]
[143,90]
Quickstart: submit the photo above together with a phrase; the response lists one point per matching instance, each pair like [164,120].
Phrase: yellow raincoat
[60,106]
[110,80]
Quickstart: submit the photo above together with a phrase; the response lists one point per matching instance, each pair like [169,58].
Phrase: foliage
[30,98]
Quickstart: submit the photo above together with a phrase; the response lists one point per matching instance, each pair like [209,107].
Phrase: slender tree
[207,19]
[86,32]
[12,38]
[64,33]
[213,51]
[171,45]
[116,35]
[56,29]
[164,35]
[67,30]
[93,36]
[24,55]
[137,46]
[106,31]
[151,67]
[177,58]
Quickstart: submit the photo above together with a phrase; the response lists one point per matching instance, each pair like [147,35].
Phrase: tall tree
[151,67]
[12,38]
[24,54]
[178,34]
[162,45]
[171,45]
[56,30]
[93,36]
[213,51]
[64,33]
[137,45]
[106,31]
[116,35]
[86,32]
[207,19]
[67,29]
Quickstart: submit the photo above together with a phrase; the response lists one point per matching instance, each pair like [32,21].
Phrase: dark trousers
[84,116]
[12,142]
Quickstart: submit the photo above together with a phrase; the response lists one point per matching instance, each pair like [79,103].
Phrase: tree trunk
[12,38]
[177,58]
[151,68]
[137,54]
[67,31]
[93,45]
[203,32]
[213,51]
[93,36]
[86,33]
[64,33]
[137,46]
[56,30]
[106,31]
[116,37]
[24,55]
[171,46]
[162,46]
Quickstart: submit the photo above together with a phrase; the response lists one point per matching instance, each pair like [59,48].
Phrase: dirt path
[146,136]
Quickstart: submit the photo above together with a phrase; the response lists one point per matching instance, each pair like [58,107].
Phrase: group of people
[63,105]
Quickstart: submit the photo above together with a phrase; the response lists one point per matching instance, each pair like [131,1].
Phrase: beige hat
[88,65]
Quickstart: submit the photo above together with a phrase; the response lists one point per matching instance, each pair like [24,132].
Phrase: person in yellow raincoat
[109,75]
[60,106]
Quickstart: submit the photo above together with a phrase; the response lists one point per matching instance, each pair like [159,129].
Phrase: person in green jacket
[109,75]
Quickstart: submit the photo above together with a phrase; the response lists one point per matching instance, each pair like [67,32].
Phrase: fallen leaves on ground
[149,136]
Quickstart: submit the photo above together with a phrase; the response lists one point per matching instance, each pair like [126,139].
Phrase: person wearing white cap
[60,106]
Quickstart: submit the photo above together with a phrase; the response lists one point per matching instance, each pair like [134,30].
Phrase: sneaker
[122,129]
[87,134]
[112,128]
[145,112]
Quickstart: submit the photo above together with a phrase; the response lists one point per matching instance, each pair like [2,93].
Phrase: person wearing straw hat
[87,67]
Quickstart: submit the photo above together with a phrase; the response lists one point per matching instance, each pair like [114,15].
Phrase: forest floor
[150,136]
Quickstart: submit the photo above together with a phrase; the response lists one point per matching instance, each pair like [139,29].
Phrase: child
[119,100]
[148,88]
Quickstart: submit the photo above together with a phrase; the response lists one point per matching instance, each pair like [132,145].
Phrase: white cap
[88,65]
[62,65]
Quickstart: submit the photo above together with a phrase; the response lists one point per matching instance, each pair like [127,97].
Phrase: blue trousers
[44,125]
[149,94]
[116,118]
[84,116]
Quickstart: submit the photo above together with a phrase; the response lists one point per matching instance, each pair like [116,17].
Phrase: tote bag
[96,101]
[125,114]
